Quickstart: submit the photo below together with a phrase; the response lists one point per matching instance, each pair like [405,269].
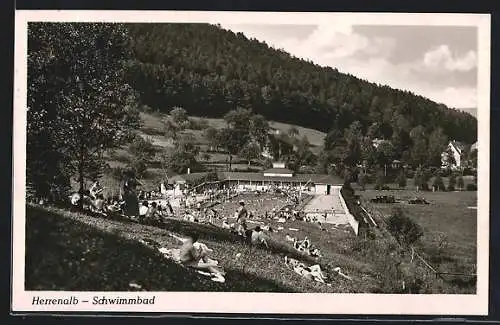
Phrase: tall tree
[79,104]
[353,137]
[183,156]
[437,145]
[419,153]
[250,151]
[259,130]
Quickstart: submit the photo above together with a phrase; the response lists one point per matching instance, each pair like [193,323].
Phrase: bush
[200,124]
[471,187]
[380,180]
[401,180]
[438,183]
[139,167]
[362,180]
[403,228]
[460,182]
[452,182]
[420,180]
[410,173]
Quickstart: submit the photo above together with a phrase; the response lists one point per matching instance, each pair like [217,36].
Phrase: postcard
[251,162]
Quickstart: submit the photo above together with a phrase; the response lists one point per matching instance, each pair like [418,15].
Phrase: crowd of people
[222,207]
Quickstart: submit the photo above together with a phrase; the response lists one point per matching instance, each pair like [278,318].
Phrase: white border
[265,303]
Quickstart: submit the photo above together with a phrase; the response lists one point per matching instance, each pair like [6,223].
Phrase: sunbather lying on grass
[196,256]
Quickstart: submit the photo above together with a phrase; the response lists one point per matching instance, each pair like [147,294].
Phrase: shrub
[438,183]
[362,180]
[199,124]
[139,167]
[403,228]
[410,173]
[420,180]
[452,182]
[460,182]
[142,149]
[401,180]
[471,187]
[380,180]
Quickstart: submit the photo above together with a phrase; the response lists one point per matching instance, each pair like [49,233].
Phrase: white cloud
[457,97]
[441,57]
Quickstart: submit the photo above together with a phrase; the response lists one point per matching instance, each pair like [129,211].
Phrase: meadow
[449,223]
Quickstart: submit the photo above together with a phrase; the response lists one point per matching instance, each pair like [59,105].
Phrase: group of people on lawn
[192,254]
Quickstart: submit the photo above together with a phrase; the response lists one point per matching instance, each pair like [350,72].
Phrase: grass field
[153,128]
[449,224]
[74,252]
[94,248]
[69,251]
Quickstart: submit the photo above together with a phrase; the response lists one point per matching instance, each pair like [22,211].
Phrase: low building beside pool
[276,177]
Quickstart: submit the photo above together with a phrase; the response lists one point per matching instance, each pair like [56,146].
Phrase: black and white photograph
[301,162]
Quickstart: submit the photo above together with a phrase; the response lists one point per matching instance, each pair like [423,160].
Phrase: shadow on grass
[64,254]
[214,233]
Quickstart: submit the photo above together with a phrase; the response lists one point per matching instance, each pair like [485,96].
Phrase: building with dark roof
[278,176]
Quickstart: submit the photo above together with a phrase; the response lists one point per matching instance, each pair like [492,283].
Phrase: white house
[456,148]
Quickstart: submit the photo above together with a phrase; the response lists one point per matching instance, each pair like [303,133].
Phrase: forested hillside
[210,71]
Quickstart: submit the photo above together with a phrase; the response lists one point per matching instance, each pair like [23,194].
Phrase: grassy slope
[66,251]
[63,253]
[152,128]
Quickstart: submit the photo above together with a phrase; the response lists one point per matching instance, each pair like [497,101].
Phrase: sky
[437,62]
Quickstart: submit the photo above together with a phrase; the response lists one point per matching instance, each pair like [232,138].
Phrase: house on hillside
[456,149]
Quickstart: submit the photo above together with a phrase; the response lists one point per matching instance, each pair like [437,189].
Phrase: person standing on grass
[241,218]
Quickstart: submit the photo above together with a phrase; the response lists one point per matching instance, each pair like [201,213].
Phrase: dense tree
[384,154]
[79,104]
[437,144]
[250,151]
[141,148]
[419,150]
[259,130]
[449,159]
[210,71]
[353,137]
[213,137]
[183,156]
[171,129]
